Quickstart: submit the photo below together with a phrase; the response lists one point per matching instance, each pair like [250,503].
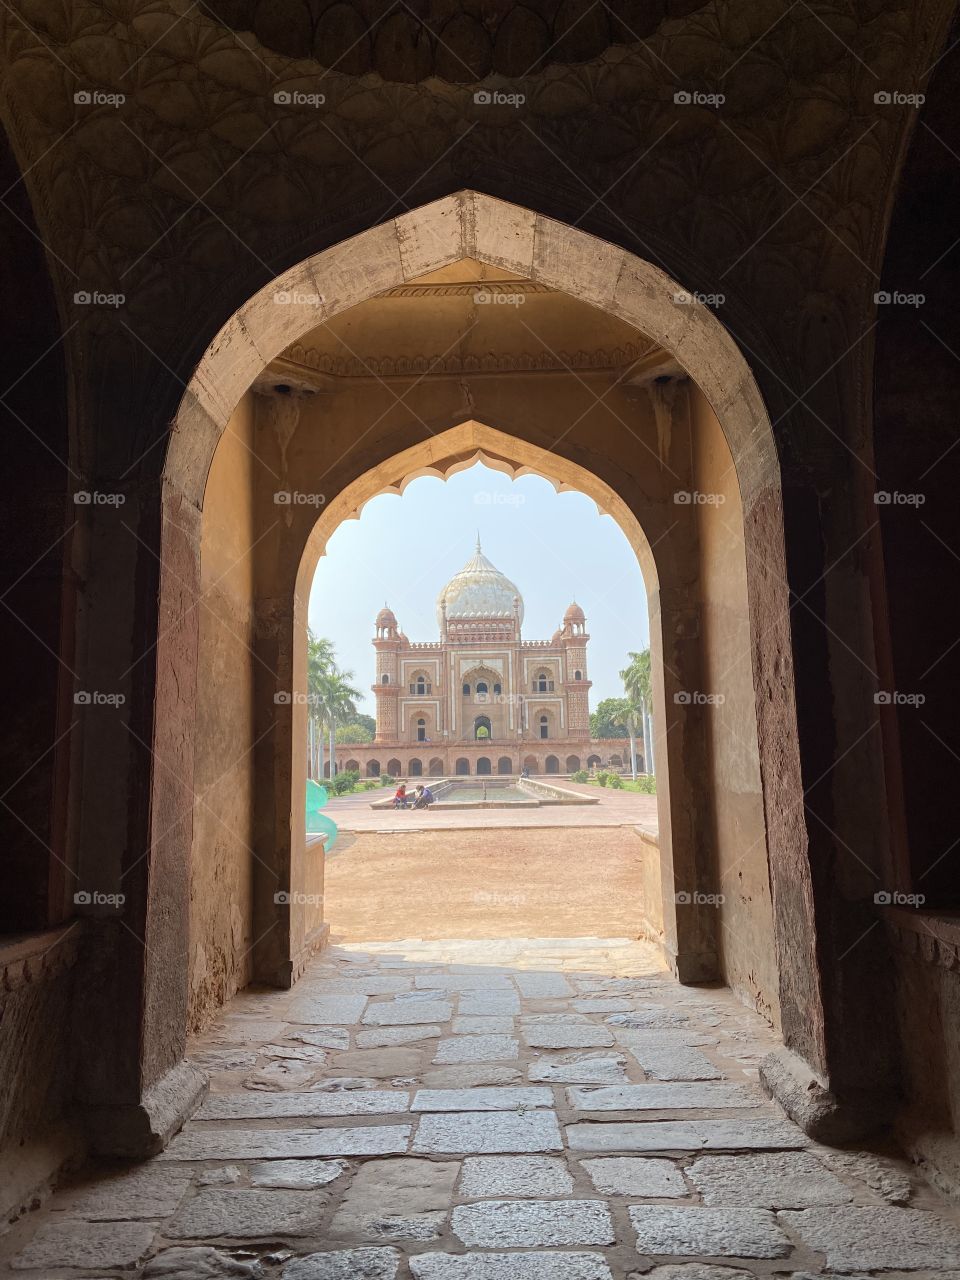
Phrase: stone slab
[529,1223]
[515,1176]
[352,1102]
[495,1004]
[766,1134]
[395,1013]
[604,1004]
[200,1262]
[374,984]
[651,1015]
[383,1036]
[320,1009]
[403,1060]
[247,1214]
[505,1099]
[324,1037]
[508,1266]
[692,1231]
[488,1133]
[150,1191]
[543,986]
[297,1052]
[470,1075]
[476,1049]
[397,1199]
[664,1097]
[562,1036]
[579,1069]
[874,1238]
[85,1244]
[296,1175]
[678,1062]
[767,1180]
[464,981]
[344,1264]
[635,1176]
[478,1025]
[202,1142]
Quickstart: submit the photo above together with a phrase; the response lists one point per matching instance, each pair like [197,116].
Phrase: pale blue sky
[556,547]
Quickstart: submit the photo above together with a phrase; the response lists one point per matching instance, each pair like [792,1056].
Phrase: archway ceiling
[200,186]
[466,318]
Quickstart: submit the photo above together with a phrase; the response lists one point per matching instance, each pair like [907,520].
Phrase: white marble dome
[479,590]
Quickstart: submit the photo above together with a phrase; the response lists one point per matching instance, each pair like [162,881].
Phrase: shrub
[580,776]
[647,784]
[371,784]
[603,778]
[387,780]
[345,782]
[616,782]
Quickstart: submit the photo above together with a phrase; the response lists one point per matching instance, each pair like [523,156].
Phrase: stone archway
[606,278]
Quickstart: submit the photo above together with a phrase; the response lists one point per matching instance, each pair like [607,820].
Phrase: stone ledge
[808,1100]
[35,957]
[930,937]
[138,1130]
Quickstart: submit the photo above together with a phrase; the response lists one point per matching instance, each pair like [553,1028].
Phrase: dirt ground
[527,883]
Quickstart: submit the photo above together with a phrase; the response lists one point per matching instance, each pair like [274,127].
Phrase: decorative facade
[481,699]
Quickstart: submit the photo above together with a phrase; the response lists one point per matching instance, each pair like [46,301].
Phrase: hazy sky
[555,547]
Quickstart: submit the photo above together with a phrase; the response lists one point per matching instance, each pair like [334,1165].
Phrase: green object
[318,823]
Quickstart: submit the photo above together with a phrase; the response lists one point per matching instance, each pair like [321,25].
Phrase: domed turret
[574,614]
[479,590]
[386,618]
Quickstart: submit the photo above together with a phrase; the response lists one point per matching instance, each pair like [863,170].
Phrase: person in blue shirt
[422,797]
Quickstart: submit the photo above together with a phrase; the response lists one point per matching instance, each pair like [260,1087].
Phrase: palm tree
[330,694]
[638,688]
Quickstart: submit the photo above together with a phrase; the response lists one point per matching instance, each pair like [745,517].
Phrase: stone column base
[809,1101]
[142,1129]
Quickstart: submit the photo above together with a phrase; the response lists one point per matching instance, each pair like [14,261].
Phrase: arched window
[481,686]
[578,675]
[421,730]
[542,682]
[466,690]
[384,679]
[497,690]
[544,726]
[421,685]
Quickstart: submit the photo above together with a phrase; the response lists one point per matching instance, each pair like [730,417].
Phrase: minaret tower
[574,638]
[387,643]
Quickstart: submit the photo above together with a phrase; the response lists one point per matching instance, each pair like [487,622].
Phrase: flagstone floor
[489,1110]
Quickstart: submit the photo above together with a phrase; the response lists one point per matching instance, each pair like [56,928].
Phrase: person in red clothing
[400,796]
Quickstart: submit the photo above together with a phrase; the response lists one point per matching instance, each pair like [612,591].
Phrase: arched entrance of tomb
[416,768]
[572,764]
[436,767]
[504,765]
[483,767]
[552,764]
[697,818]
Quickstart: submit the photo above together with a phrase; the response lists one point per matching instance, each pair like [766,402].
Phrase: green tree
[609,720]
[639,699]
[331,697]
[361,728]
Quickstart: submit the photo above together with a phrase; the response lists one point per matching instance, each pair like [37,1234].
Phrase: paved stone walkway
[506,1110]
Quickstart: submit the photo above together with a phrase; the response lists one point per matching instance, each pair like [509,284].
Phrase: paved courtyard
[615,809]
[489,1110]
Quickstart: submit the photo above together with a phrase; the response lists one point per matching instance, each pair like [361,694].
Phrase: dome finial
[478,542]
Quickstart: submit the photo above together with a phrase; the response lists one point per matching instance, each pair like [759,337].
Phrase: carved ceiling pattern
[193,191]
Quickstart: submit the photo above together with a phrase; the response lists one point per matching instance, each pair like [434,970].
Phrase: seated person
[423,797]
[400,796]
